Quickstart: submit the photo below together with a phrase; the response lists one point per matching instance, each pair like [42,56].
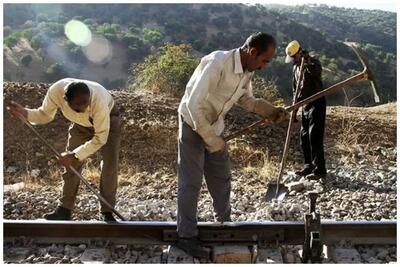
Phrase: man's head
[293,52]
[260,49]
[77,94]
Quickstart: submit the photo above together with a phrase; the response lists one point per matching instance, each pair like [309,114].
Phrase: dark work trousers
[78,135]
[312,135]
[194,161]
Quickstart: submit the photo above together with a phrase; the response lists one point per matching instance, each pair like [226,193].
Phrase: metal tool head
[276,191]
[368,72]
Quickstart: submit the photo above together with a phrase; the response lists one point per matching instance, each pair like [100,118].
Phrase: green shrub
[55,71]
[167,73]
[35,42]
[266,90]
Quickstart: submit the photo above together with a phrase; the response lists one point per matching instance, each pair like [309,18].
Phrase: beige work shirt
[216,85]
[97,114]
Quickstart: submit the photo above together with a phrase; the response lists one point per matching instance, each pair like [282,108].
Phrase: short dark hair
[76,89]
[260,41]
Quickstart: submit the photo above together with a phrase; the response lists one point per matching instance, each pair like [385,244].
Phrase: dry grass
[53,177]
[350,134]
[387,109]
[359,131]
[254,161]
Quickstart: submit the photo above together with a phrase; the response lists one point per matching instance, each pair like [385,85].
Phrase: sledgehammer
[365,75]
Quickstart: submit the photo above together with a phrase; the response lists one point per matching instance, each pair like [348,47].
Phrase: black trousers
[312,135]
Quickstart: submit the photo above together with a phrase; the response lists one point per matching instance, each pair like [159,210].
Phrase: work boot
[108,217]
[304,172]
[192,246]
[60,214]
[316,175]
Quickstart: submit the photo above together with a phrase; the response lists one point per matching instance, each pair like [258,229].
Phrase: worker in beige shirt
[95,126]
[221,80]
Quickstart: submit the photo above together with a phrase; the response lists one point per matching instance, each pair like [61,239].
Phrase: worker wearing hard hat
[313,114]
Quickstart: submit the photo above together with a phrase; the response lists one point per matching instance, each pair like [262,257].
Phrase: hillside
[369,26]
[360,152]
[135,31]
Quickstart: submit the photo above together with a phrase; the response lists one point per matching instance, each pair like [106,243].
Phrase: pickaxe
[365,75]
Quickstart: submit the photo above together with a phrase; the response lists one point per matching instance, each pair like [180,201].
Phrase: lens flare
[78,33]
[99,50]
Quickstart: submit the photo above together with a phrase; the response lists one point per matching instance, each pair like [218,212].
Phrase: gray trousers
[78,135]
[194,161]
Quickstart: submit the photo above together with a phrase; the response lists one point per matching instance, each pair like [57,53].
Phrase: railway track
[230,242]
[238,233]
[260,235]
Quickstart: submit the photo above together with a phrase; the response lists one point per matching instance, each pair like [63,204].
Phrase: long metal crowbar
[99,196]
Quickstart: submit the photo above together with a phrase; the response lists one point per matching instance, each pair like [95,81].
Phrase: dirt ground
[150,131]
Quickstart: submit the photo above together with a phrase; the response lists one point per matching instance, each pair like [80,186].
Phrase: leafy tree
[89,21]
[116,28]
[10,41]
[27,33]
[134,29]
[130,39]
[111,36]
[54,29]
[106,28]
[152,36]
[75,52]
[26,59]
[35,42]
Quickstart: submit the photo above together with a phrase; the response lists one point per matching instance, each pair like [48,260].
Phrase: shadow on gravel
[336,182]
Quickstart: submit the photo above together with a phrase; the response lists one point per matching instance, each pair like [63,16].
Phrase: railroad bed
[148,242]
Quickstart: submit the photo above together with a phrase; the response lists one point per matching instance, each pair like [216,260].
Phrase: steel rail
[161,232]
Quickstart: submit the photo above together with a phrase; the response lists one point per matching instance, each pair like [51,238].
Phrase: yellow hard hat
[291,49]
